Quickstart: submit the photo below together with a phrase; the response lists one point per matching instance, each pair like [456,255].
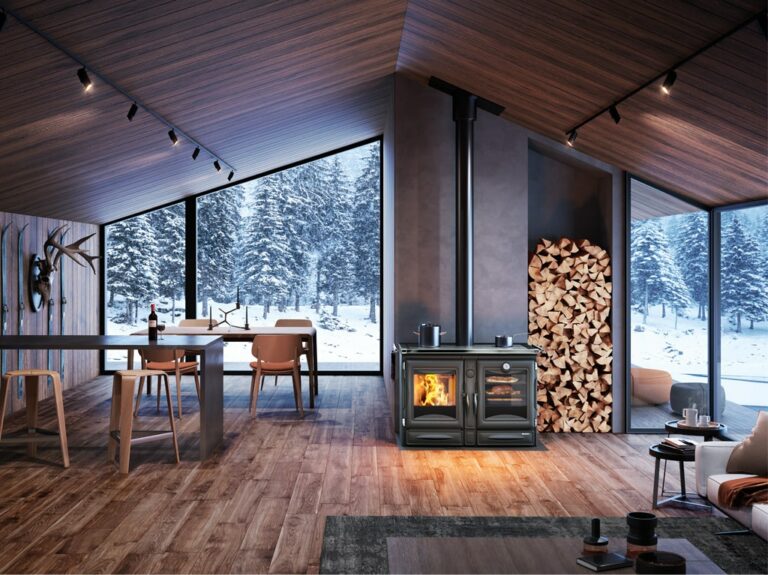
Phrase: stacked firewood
[569,301]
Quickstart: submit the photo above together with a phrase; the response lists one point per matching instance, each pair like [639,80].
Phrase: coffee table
[516,555]
[708,433]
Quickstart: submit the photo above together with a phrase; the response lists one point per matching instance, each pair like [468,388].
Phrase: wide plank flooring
[260,504]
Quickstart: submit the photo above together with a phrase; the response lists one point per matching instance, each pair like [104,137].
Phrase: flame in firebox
[429,390]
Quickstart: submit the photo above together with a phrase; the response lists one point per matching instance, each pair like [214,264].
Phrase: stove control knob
[470,373]
[505,366]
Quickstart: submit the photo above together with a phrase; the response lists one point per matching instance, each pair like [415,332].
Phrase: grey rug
[359,544]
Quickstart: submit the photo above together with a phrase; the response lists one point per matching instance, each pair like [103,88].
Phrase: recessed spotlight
[84,79]
[217,165]
[231,175]
[666,87]
[572,135]
[614,112]
[196,153]
[172,135]
[132,111]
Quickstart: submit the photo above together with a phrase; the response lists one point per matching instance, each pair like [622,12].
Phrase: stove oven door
[505,402]
[434,409]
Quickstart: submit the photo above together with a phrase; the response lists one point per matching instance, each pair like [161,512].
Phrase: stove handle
[466,401]
[475,404]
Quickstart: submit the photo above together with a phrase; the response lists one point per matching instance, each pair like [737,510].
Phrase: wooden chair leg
[126,422]
[276,380]
[159,393]
[31,391]
[114,417]
[4,400]
[138,395]
[170,415]
[60,417]
[197,385]
[255,390]
[178,389]
[263,377]
[297,390]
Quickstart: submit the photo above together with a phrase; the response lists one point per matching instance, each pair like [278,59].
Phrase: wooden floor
[260,505]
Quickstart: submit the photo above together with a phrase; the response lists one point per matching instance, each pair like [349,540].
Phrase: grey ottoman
[685,394]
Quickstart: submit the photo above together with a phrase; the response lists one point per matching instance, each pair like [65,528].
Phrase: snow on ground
[354,347]
[683,353]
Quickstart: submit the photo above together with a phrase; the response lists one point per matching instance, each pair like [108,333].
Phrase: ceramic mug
[703,421]
[690,414]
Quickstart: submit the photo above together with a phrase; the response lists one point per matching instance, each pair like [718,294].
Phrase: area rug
[359,544]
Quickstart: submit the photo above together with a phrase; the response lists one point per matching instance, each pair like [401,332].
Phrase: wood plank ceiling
[265,84]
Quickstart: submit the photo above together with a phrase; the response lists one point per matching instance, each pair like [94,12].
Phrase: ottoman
[650,386]
[685,394]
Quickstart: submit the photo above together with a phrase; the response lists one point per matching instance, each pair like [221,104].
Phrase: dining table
[229,333]
[210,348]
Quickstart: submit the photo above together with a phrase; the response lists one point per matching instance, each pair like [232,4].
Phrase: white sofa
[711,461]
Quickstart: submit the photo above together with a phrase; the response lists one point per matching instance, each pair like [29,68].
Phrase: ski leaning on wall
[62,308]
[20,331]
[4,290]
[49,362]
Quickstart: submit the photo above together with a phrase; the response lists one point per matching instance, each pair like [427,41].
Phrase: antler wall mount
[42,269]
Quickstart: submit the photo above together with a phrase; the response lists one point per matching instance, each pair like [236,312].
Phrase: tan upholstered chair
[168,361]
[304,349]
[651,386]
[276,355]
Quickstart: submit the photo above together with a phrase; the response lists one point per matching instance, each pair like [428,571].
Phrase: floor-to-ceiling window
[144,266]
[299,243]
[743,315]
[669,294]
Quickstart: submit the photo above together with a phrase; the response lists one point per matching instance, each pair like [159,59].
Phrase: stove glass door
[504,391]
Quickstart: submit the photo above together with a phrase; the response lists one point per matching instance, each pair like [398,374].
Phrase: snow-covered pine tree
[219,221]
[655,278]
[742,284]
[692,251]
[133,269]
[365,230]
[169,227]
[335,262]
[296,210]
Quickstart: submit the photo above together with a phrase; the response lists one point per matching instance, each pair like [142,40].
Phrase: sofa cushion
[752,455]
[742,515]
[760,520]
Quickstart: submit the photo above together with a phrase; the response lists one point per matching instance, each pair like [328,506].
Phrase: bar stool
[121,416]
[35,435]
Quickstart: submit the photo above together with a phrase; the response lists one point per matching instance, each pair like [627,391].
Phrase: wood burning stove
[456,396]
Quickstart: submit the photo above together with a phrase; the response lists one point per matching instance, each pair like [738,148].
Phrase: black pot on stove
[429,335]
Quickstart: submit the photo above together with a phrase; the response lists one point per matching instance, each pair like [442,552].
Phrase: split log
[569,305]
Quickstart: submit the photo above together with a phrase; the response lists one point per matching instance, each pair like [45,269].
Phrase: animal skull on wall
[41,271]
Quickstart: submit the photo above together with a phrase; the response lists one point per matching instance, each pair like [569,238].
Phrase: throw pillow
[752,455]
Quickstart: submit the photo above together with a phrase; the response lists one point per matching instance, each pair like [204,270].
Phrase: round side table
[708,433]
[659,454]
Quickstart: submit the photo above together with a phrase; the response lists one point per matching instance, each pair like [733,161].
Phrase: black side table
[708,433]
[659,453]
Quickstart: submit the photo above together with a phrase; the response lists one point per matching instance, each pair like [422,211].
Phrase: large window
[744,316]
[302,243]
[669,294]
[144,265]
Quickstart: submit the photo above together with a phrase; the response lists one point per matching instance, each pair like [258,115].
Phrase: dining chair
[276,355]
[304,349]
[170,362]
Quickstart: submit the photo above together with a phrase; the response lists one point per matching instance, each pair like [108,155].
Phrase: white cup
[703,421]
[690,414]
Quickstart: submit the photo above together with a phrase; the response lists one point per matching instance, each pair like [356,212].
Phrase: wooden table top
[192,342]
[234,334]
[516,555]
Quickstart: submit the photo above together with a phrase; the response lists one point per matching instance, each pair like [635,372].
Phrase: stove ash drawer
[500,437]
[434,437]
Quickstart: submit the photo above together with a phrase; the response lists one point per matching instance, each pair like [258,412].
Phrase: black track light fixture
[3,18]
[217,165]
[132,111]
[82,73]
[196,153]
[614,112]
[231,175]
[172,135]
[669,81]
[572,137]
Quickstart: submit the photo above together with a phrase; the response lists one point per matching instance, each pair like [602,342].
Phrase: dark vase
[642,533]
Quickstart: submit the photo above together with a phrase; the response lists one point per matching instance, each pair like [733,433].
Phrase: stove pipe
[464,114]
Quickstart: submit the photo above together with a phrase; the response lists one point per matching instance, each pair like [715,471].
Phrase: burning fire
[432,389]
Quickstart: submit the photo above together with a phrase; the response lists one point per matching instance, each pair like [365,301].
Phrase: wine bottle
[152,320]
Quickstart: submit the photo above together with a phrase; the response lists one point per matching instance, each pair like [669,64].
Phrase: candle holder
[226,318]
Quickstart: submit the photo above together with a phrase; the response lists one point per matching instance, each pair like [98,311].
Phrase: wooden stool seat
[121,416]
[35,434]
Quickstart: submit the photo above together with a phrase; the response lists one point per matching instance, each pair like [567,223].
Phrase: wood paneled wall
[81,291]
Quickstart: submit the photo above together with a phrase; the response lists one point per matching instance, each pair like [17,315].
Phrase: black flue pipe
[464,114]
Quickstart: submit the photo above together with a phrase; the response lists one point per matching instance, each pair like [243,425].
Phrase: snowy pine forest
[669,296]
[303,243]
